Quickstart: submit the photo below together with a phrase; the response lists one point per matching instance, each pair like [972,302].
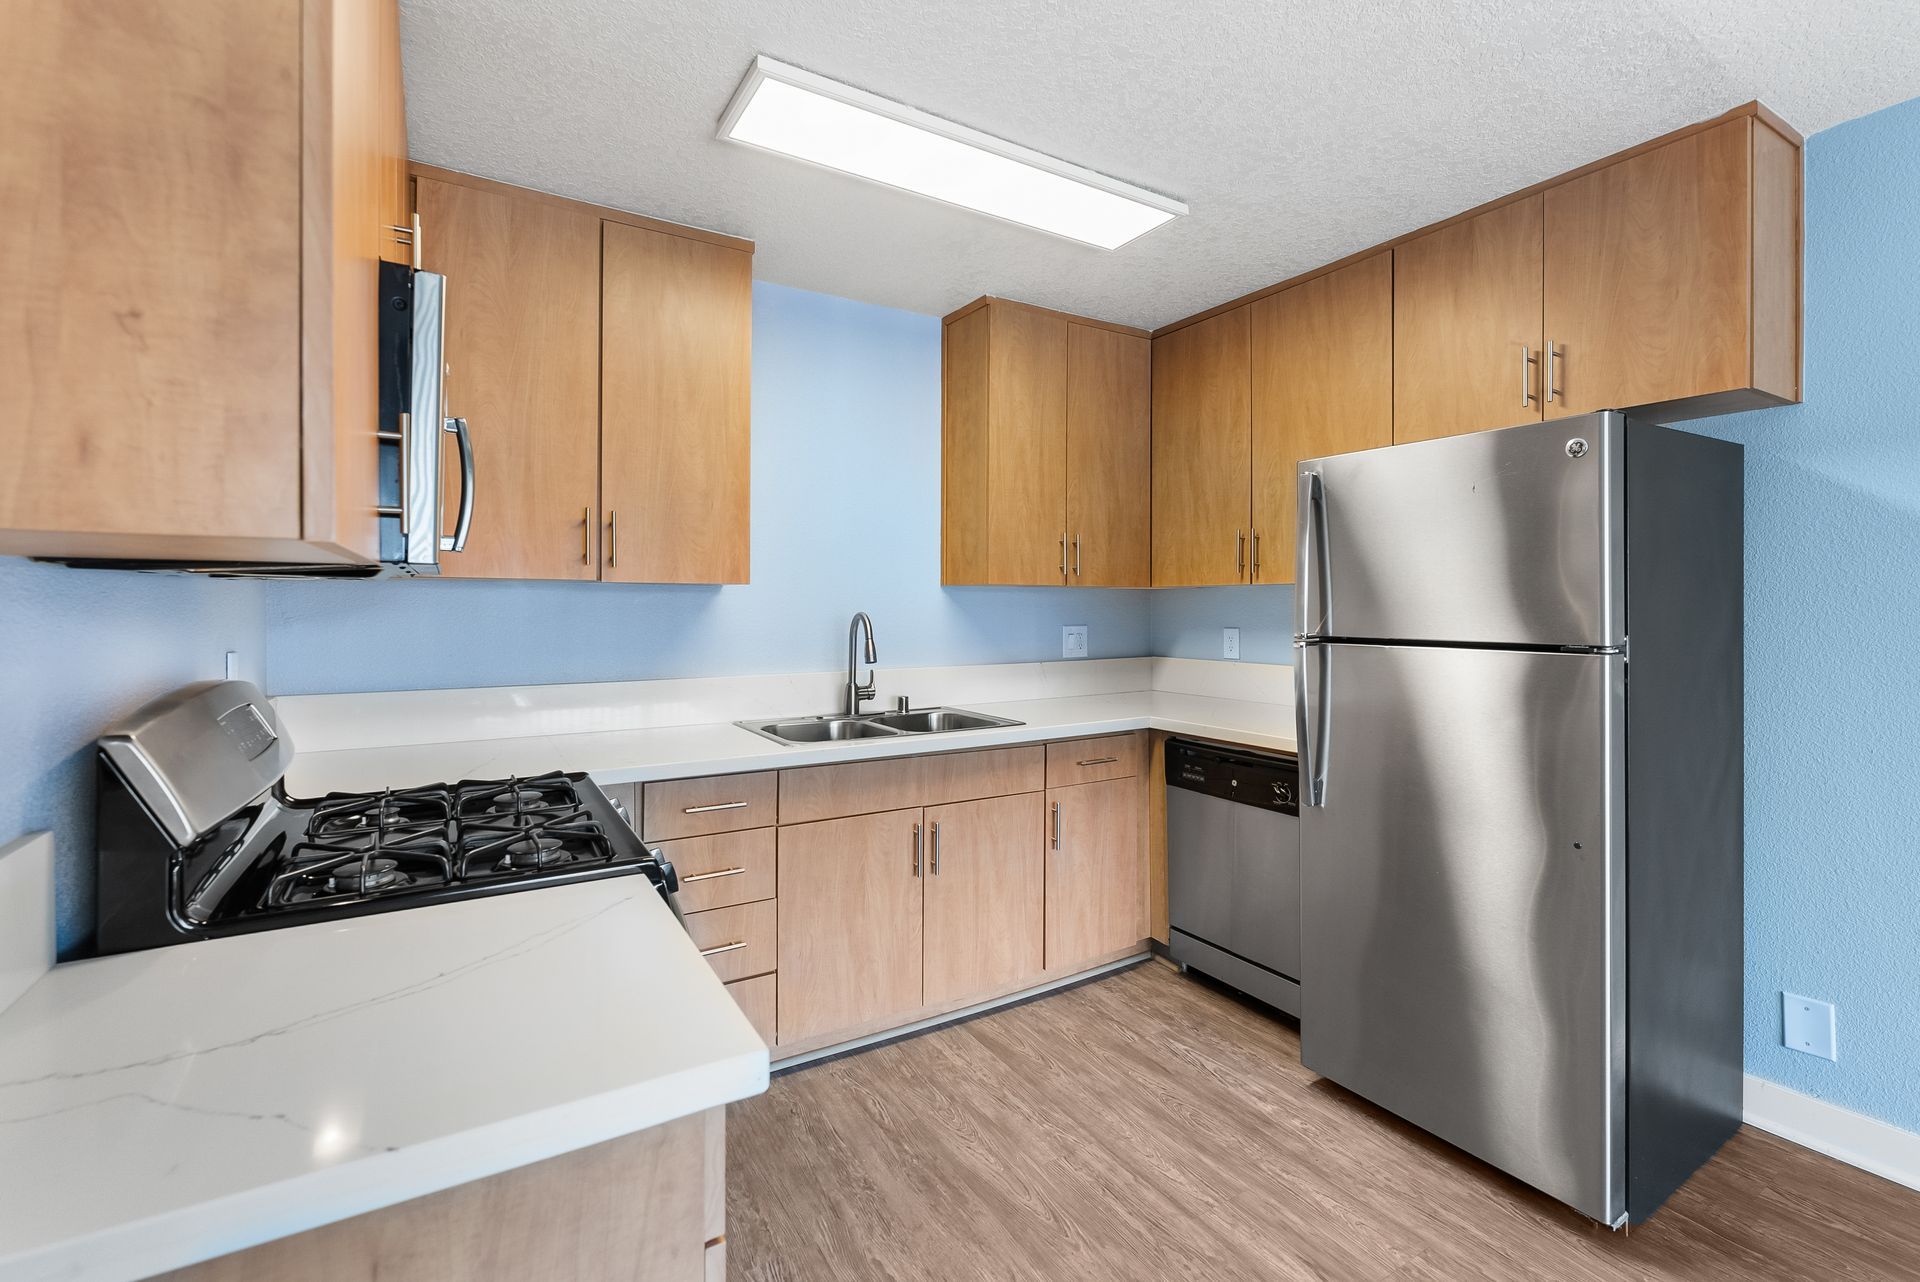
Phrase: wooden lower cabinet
[850,890]
[547,1220]
[756,999]
[1096,878]
[984,905]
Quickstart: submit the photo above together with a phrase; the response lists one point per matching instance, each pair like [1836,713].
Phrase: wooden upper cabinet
[199,194]
[1026,445]
[1322,384]
[1466,325]
[1109,458]
[1044,430]
[1673,276]
[985,893]
[676,356]
[1202,452]
[523,338]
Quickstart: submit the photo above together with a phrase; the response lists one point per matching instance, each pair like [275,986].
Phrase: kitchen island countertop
[168,1106]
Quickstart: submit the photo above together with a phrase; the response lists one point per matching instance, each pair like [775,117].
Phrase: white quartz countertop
[168,1106]
[672,752]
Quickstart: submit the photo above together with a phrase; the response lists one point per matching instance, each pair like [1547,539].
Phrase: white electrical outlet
[1073,641]
[1808,1025]
[1229,643]
[233,665]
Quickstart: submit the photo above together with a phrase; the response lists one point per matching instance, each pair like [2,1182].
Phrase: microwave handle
[458,541]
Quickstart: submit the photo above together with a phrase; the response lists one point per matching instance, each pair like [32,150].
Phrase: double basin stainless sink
[873,725]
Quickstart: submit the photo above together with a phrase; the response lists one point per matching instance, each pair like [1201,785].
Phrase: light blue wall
[846,405]
[1833,628]
[1185,623]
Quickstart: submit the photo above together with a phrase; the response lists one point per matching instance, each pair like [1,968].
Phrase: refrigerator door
[1496,538]
[1463,901]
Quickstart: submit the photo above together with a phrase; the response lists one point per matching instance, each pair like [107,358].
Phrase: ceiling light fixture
[796,113]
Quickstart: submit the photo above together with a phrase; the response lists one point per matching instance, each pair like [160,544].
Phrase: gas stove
[277,860]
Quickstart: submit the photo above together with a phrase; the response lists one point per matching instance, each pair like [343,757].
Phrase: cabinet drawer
[677,808]
[1113,756]
[869,787]
[755,998]
[722,870]
[738,942]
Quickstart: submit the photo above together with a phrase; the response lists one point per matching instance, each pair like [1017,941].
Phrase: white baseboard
[1847,1136]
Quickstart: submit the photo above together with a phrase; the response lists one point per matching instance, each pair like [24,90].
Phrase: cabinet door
[150,373]
[1109,457]
[1096,876]
[1648,276]
[369,196]
[1027,447]
[1466,325]
[850,922]
[676,358]
[1201,452]
[985,896]
[523,300]
[1322,384]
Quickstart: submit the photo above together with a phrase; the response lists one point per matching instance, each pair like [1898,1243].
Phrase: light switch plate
[231,667]
[1073,641]
[1229,643]
[1808,1025]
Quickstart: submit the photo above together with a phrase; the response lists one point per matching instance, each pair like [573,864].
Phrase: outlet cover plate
[1808,1025]
[1229,643]
[1073,641]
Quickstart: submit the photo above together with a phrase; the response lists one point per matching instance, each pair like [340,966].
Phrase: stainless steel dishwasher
[1233,868]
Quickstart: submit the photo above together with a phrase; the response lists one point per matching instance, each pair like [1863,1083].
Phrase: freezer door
[1511,537]
[1463,947]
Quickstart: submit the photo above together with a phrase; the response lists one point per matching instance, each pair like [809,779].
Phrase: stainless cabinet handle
[1076,556]
[723,948]
[1240,552]
[916,850]
[586,536]
[613,537]
[1256,551]
[458,541]
[936,850]
[1552,386]
[1056,825]
[1097,761]
[1527,361]
[709,876]
[1063,554]
[707,810]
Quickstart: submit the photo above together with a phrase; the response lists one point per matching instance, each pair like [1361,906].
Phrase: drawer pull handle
[723,948]
[709,876]
[1097,761]
[706,810]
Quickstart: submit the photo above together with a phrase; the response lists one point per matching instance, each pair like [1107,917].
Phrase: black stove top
[283,861]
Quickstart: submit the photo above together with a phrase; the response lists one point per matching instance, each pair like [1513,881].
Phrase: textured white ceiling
[1298,130]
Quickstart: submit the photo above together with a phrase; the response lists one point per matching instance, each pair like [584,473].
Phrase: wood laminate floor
[1149,1126]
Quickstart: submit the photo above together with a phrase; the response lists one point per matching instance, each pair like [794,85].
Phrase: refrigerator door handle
[1312,722]
[1312,615]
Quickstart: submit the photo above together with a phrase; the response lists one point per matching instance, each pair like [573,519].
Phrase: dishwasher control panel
[1271,783]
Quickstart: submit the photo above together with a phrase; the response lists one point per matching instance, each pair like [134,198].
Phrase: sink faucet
[855,690]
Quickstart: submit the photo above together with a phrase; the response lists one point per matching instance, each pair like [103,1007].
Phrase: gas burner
[362,876]
[518,799]
[535,852]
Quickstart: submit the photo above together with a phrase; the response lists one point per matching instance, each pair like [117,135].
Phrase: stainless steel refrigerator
[1518,682]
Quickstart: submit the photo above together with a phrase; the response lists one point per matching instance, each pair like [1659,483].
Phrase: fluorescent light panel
[796,113]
